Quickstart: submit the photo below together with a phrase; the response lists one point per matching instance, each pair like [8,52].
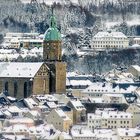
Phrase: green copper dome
[52,34]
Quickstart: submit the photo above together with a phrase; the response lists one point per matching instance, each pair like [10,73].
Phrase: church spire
[53,20]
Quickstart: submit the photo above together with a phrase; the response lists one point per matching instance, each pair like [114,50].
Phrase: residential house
[59,119]
[135,71]
[79,111]
[135,110]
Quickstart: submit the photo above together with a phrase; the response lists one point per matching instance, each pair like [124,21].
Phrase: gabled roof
[19,69]
[62,114]
[77,104]
[136,67]
[110,34]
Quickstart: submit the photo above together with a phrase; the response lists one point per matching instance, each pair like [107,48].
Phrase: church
[21,80]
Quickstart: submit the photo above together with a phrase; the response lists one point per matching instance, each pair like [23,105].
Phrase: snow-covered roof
[77,104]
[31,40]
[13,137]
[80,82]
[51,105]
[7,113]
[61,113]
[65,136]
[119,76]
[13,109]
[96,100]
[114,95]
[129,132]
[137,38]
[110,115]
[34,113]
[21,120]
[18,69]
[107,88]
[134,46]
[81,132]
[136,67]
[110,34]
[30,103]
[44,98]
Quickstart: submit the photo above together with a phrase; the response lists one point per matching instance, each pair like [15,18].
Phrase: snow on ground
[11,54]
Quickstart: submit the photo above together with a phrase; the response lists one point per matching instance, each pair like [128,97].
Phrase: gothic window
[25,90]
[6,86]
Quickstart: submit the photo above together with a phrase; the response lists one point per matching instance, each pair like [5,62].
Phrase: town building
[114,98]
[128,134]
[109,119]
[79,111]
[109,40]
[98,89]
[135,110]
[135,71]
[76,83]
[59,120]
[136,40]
[17,40]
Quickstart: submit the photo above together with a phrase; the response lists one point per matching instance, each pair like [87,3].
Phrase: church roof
[19,69]
[52,34]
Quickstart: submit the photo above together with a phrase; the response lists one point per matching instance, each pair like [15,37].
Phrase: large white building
[109,119]
[17,40]
[109,40]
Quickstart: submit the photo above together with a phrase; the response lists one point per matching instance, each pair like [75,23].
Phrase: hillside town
[41,100]
[94,107]
[22,46]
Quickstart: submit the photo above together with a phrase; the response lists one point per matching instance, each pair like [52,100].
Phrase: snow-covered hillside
[78,21]
[50,2]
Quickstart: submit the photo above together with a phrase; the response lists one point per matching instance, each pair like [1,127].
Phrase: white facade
[109,40]
[17,40]
[136,40]
[109,119]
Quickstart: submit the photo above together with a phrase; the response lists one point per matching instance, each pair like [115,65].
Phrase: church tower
[52,56]
[52,43]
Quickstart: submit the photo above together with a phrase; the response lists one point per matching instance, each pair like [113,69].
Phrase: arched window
[6,87]
[15,89]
